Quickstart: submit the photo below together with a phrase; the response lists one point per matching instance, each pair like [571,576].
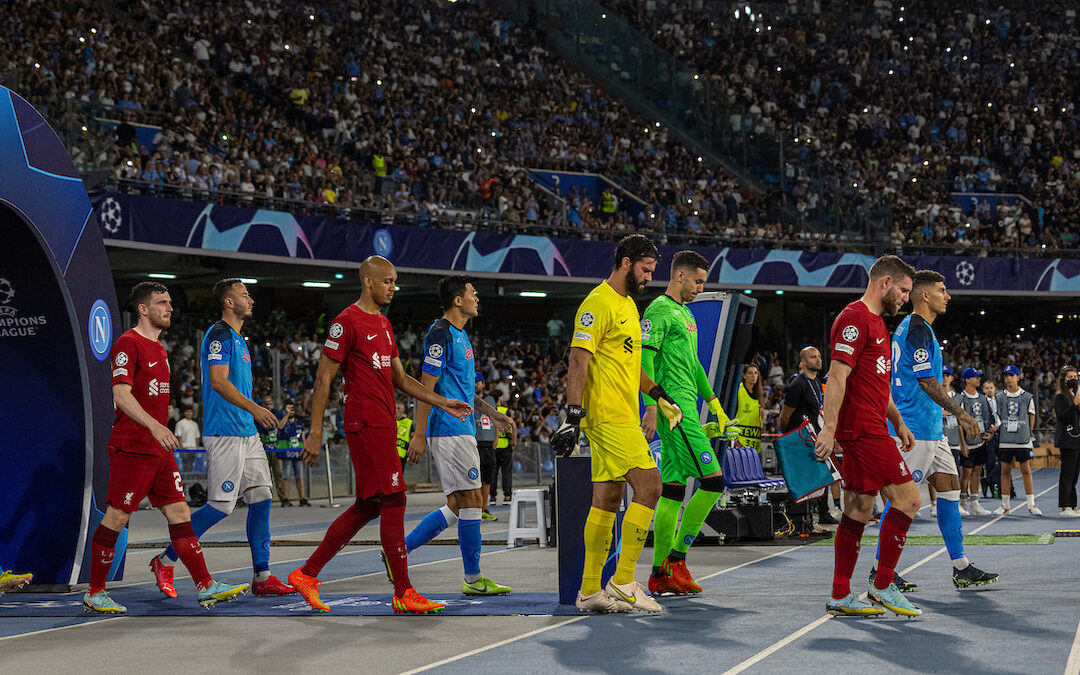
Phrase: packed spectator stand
[903,105]
[261,105]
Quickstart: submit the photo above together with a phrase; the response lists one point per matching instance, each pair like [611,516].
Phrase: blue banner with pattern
[168,222]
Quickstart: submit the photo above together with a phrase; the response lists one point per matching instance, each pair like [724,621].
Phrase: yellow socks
[597,544]
[635,528]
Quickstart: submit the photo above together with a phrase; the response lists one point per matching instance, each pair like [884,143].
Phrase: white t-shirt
[188,431]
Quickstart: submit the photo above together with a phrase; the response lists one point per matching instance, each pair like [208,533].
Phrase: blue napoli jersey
[916,354]
[223,346]
[448,355]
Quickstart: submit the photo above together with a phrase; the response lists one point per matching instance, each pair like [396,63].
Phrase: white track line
[1073,666]
[749,562]
[777,646]
[485,648]
[411,567]
[500,643]
[94,622]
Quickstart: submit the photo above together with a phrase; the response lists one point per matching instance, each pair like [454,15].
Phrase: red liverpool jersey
[364,345]
[144,364]
[859,338]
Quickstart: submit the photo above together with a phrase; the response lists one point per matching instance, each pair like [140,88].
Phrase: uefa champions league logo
[965,273]
[111,215]
[7,295]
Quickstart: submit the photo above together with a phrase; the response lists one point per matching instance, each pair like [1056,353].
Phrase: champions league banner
[57,322]
[168,222]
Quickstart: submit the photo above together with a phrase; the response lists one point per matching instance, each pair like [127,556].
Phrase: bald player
[361,342]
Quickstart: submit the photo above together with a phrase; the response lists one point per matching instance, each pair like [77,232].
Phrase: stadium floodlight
[248,280]
[316,284]
[161,275]
[533,294]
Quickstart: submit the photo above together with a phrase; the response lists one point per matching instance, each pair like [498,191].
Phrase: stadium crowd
[901,104]
[262,102]
[278,101]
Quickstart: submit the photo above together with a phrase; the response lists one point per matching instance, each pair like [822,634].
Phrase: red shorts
[374,455]
[872,462]
[132,477]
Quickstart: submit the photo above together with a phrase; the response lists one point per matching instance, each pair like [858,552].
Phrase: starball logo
[11,324]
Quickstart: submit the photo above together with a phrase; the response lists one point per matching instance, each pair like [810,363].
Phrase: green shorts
[685,451]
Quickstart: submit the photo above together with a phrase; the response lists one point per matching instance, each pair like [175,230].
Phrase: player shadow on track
[630,643]
[908,646]
[980,610]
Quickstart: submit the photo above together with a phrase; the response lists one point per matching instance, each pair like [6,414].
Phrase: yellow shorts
[616,449]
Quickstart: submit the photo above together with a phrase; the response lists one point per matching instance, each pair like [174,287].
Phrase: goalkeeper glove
[723,426]
[667,405]
[716,430]
[565,440]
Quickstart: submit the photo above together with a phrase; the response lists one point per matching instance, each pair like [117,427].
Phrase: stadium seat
[518,529]
[742,468]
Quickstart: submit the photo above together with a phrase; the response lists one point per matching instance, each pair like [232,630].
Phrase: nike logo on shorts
[152,364]
[372,337]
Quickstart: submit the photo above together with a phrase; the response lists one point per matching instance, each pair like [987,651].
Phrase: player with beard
[603,381]
[141,462]
[920,397]
[857,403]
[803,397]
[237,461]
[361,342]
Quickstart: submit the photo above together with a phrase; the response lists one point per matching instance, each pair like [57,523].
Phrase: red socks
[894,527]
[188,550]
[846,551]
[392,534]
[102,550]
[339,533]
